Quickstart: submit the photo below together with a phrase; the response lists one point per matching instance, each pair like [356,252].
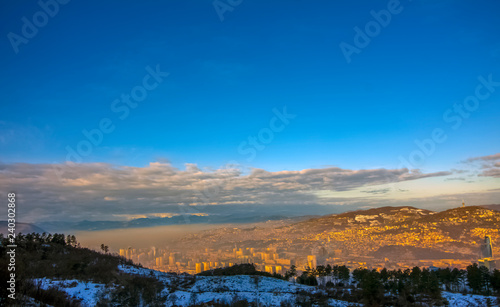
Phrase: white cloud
[490,165]
[99,191]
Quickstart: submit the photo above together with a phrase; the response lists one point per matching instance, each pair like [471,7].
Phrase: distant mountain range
[54,226]
[21,228]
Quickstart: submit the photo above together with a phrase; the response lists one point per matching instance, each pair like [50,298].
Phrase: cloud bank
[490,165]
[100,191]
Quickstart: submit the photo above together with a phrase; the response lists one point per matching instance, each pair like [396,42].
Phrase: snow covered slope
[459,300]
[186,290]
[87,292]
[203,289]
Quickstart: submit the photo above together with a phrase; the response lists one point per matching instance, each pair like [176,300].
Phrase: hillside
[492,207]
[414,253]
[363,218]
[356,236]
[233,290]
[456,231]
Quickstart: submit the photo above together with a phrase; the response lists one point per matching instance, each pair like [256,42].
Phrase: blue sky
[226,77]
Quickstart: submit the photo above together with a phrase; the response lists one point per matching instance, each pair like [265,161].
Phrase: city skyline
[397,238]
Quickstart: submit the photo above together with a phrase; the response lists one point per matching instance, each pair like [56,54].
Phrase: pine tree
[474,278]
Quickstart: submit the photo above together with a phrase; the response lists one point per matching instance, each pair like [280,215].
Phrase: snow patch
[459,300]
[226,289]
[364,218]
[87,292]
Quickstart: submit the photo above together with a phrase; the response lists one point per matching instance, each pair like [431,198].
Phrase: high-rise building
[269,269]
[488,263]
[486,255]
[199,268]
[206,266]
[159,261]
[278,269]
[311,261]
[486,249]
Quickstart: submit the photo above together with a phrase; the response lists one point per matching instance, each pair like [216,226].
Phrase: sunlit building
[486,257]
[269,269]
[311,261]
[159,261]
[199,268]
[486,249]
[490,264]
[206,266]
[278,269]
